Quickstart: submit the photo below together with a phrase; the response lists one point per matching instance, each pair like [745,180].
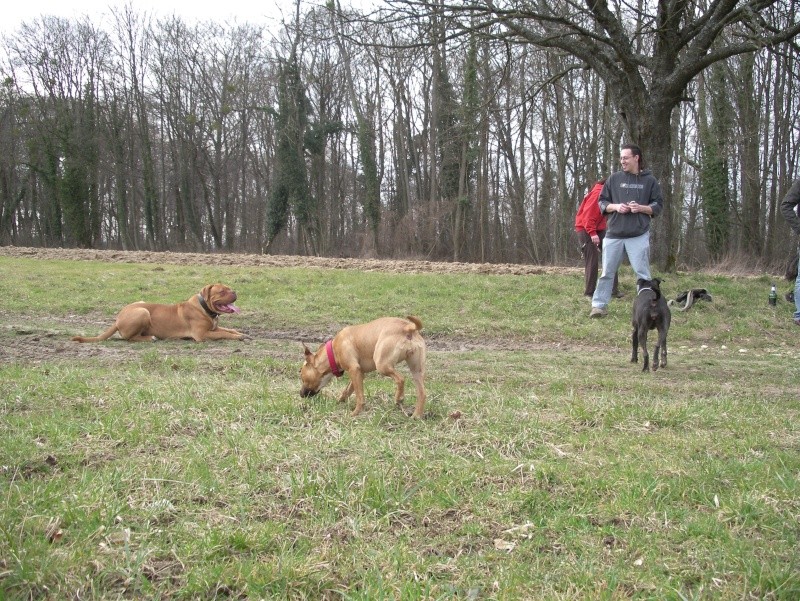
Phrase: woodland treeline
[419,130]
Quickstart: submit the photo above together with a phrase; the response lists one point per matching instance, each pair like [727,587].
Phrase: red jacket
[589,217]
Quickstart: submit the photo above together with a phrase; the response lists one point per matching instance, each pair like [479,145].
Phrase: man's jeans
[638,251]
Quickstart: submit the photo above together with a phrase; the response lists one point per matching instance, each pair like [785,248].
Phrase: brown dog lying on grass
[359,349]
[195,318]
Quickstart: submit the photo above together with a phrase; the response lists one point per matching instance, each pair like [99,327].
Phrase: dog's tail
[104,336]
[414,326]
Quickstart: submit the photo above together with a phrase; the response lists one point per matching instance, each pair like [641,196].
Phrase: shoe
[796,321]
[618,295]
[789,297]
[598,312]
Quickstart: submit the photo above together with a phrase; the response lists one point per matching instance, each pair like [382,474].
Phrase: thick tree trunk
[656,145]
[752,219]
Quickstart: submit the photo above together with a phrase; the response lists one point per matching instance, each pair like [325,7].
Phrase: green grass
[178,470]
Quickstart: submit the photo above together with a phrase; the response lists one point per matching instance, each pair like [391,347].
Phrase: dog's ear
[206,291]
[308,354]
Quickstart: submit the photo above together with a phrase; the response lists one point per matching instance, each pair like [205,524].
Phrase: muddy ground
[173,258]
[36,339]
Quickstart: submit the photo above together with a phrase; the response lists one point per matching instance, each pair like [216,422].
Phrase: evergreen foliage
[449,133]
[714,195]
[372,200]
[714,167]
[317,134]
[291,190]
[468,125]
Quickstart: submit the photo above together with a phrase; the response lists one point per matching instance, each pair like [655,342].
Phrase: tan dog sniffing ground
[375,346]
[195,318]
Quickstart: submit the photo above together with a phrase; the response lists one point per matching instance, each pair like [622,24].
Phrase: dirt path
[43,340]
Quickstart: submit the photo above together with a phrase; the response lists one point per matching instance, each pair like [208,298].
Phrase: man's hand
[635,207]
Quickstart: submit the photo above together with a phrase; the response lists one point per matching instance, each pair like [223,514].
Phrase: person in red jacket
[590,224]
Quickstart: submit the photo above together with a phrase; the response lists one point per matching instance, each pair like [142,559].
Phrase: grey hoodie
[622,188]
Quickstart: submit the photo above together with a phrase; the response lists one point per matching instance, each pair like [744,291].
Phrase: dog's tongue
[229,308]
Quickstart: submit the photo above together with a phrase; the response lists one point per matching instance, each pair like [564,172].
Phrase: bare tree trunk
[750,182]
[366,142]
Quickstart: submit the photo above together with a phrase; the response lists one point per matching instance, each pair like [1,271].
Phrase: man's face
[629,161]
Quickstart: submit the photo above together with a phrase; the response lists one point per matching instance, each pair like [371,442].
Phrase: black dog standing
[650,312]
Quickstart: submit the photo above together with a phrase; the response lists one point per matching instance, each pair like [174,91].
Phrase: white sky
[242,11]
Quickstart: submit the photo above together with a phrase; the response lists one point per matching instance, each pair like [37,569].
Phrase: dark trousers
[591,258]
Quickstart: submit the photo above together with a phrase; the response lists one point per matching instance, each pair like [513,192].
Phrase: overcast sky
[250,11]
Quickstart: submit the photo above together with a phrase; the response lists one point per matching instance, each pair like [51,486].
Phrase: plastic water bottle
[773,295]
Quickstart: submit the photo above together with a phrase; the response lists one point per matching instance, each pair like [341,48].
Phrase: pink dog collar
[332,360]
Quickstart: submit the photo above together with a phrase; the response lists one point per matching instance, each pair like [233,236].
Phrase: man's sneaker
[797,322]
[598,312]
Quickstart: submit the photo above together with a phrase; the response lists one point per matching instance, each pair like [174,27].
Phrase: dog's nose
[307,392]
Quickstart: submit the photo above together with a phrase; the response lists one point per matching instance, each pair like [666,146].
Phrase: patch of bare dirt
[250,260]
[44,342]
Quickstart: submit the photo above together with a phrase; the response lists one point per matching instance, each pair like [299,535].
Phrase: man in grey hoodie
[630,199]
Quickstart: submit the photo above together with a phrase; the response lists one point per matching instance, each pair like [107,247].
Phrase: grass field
[547,466]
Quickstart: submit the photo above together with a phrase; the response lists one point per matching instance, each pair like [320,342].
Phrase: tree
[714,134]
[62,63]
[12,172]
[469,111]
[176,58]
[365,133]
[290,190]
[136,43]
